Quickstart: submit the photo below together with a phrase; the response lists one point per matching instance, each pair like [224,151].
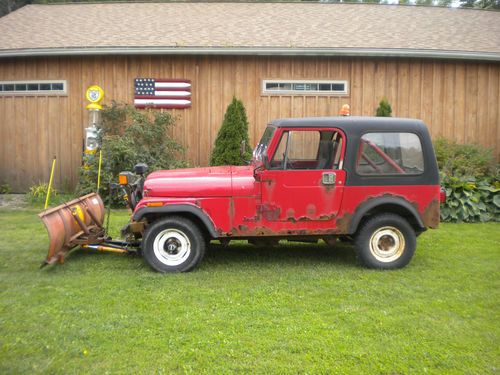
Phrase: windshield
[261,147]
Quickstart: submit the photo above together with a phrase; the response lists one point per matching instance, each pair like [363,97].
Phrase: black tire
[385,241]
[173,244]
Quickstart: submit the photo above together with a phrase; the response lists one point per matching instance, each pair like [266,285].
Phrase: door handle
[328,178]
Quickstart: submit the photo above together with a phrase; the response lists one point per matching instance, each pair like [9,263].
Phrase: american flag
[162,93]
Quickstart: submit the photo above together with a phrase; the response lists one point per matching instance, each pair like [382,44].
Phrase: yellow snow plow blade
[75,223]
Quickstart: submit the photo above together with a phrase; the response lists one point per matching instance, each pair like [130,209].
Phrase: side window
[308,149]
[390,153]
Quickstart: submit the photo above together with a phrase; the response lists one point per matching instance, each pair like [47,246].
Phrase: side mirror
[140,169]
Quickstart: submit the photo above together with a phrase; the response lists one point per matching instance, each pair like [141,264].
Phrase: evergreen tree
[233,132]
[384,108]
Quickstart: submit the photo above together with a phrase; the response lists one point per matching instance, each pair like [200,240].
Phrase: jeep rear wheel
[386,241]
[173,244]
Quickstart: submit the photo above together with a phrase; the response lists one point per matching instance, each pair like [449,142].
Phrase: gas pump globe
[94,95]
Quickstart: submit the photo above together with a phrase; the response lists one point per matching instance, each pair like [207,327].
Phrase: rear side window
[390,153]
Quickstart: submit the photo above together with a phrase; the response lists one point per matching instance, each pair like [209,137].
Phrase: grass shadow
[286,253]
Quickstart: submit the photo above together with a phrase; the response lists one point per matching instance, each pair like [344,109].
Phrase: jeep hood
[201,182]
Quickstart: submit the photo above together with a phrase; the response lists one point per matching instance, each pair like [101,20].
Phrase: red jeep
[373,180]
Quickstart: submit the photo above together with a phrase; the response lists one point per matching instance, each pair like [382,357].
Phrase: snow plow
[79,222]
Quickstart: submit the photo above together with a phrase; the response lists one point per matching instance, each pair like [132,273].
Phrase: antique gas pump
[94,95]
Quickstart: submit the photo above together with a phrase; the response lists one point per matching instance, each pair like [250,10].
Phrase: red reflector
[442,196]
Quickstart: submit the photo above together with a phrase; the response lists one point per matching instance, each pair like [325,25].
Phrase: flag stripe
[185,97]
[172,80]
[169,106]
[161,101]
[172,85]
[169,92]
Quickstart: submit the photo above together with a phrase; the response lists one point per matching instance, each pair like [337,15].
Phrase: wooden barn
[282,59]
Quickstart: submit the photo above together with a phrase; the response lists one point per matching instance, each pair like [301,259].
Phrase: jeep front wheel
[385,241]
[173,244]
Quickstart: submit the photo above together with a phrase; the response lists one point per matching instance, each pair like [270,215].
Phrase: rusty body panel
[78,222]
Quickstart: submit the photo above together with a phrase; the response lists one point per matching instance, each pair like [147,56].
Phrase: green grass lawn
[291,309]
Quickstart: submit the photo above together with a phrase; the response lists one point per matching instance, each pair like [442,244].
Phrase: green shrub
[234,131]
[471,182]
[129,136]
[38,193]
[384,109]
[5,189]
[470,200]
[463,159]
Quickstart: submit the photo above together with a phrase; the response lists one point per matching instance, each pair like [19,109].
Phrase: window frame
[278,138]
[27,92]
[294,92]
[385,175]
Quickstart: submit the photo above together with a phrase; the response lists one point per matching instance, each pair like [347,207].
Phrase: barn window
[305,87]
[28,88]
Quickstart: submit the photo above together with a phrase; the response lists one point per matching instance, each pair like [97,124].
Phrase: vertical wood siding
[457,100]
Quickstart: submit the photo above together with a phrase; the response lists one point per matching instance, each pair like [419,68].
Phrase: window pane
[338,87]
[299,86]
[303,145]
[285,86]
[8,87]
[57,86]
[44,86]
[325,87]
[312,87]
[1,87]
[272,86]
[32,86]
[390,153]
[20,87]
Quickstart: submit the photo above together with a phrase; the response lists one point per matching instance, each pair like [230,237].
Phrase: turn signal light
[154,204]
[123,179]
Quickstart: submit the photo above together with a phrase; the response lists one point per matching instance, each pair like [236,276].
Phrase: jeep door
[304,180]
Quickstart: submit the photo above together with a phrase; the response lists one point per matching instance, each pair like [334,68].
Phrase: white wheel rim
[172,247]
[387,244]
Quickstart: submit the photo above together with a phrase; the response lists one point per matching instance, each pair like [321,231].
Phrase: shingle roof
[239,28]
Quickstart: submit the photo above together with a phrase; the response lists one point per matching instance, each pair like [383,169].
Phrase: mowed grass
[291,309]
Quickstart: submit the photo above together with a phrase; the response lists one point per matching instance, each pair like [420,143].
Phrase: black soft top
[355,127]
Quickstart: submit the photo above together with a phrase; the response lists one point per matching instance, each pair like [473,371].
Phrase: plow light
[125,178]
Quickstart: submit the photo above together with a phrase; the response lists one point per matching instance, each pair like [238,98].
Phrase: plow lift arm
[80,222]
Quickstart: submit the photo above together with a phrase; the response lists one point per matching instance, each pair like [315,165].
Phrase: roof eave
[255,51]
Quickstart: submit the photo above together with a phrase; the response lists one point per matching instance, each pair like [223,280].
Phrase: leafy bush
[470,200]
[384,109]
[38,193]
[127,137]
[463,159]
[5,189]
[471,182]
[233,132]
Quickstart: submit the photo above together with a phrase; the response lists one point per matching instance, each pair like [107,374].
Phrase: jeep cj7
[374,181]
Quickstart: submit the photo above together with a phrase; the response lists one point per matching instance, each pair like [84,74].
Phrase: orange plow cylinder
[75,223]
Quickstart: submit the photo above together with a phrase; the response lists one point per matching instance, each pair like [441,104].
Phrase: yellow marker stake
[99,172]
[50,183]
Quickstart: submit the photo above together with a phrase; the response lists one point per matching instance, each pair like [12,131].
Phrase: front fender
[178,209]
